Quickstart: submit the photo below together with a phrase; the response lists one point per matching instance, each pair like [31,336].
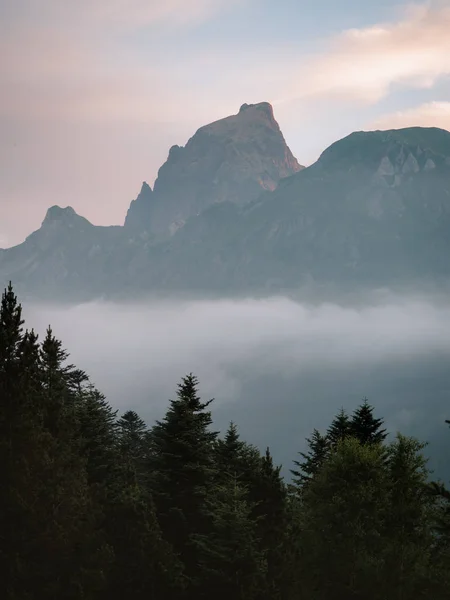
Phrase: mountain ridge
[374,209]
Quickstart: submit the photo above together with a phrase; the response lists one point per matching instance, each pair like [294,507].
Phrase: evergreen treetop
[365,427]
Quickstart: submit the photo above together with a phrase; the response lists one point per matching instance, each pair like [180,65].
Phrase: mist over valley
[277,367]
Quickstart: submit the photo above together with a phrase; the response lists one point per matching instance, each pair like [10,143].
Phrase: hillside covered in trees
[100,506]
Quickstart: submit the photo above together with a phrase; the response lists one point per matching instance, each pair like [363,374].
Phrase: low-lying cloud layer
[277,367]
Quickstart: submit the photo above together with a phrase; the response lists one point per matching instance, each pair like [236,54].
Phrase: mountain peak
[397,151]
[140,208]
[66,218]
[233,159]
[251,120]
[264,107]
[57,213]
[145,188]
[58,226]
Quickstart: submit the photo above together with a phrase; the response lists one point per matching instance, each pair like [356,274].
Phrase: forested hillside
[96,505]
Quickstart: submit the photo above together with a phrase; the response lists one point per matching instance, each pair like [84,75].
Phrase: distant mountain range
[234,212]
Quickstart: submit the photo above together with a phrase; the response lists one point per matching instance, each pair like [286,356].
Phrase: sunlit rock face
[233,159]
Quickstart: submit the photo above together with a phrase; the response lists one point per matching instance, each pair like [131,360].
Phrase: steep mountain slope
[140,212]
[374,210]
[233,159]
[67,258]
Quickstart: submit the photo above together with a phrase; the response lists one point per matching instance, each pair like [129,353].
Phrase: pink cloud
[363,64]
[430,114]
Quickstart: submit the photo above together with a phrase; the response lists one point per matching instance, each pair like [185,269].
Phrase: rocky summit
[233,159]
[233,212]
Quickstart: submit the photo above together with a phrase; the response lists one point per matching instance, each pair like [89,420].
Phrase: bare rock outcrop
[233,159]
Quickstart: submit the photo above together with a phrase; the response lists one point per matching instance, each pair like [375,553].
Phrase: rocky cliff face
[233,159]
[373,211]
[140,211]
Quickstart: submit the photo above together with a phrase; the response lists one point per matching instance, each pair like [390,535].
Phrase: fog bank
[276,366]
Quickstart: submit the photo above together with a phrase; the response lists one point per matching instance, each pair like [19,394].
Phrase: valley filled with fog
[276,367]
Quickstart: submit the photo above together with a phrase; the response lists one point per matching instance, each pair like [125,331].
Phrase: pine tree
[319,446]
[228,453]
[270,513]
[79,555]
[145,566]
[293,584]
[11,332]
[44,496]
[365,427]
[19,441]
[134,449]
[339,429]
[183,469]
[408,534]
[343,513]
[441,551]
[98,433]
[98,445]
[236,458]
[231,560]
[11,346]
[59,406]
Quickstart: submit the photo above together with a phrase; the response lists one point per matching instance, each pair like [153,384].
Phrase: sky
[94,92]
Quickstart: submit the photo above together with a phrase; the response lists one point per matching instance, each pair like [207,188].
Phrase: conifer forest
[96,505]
